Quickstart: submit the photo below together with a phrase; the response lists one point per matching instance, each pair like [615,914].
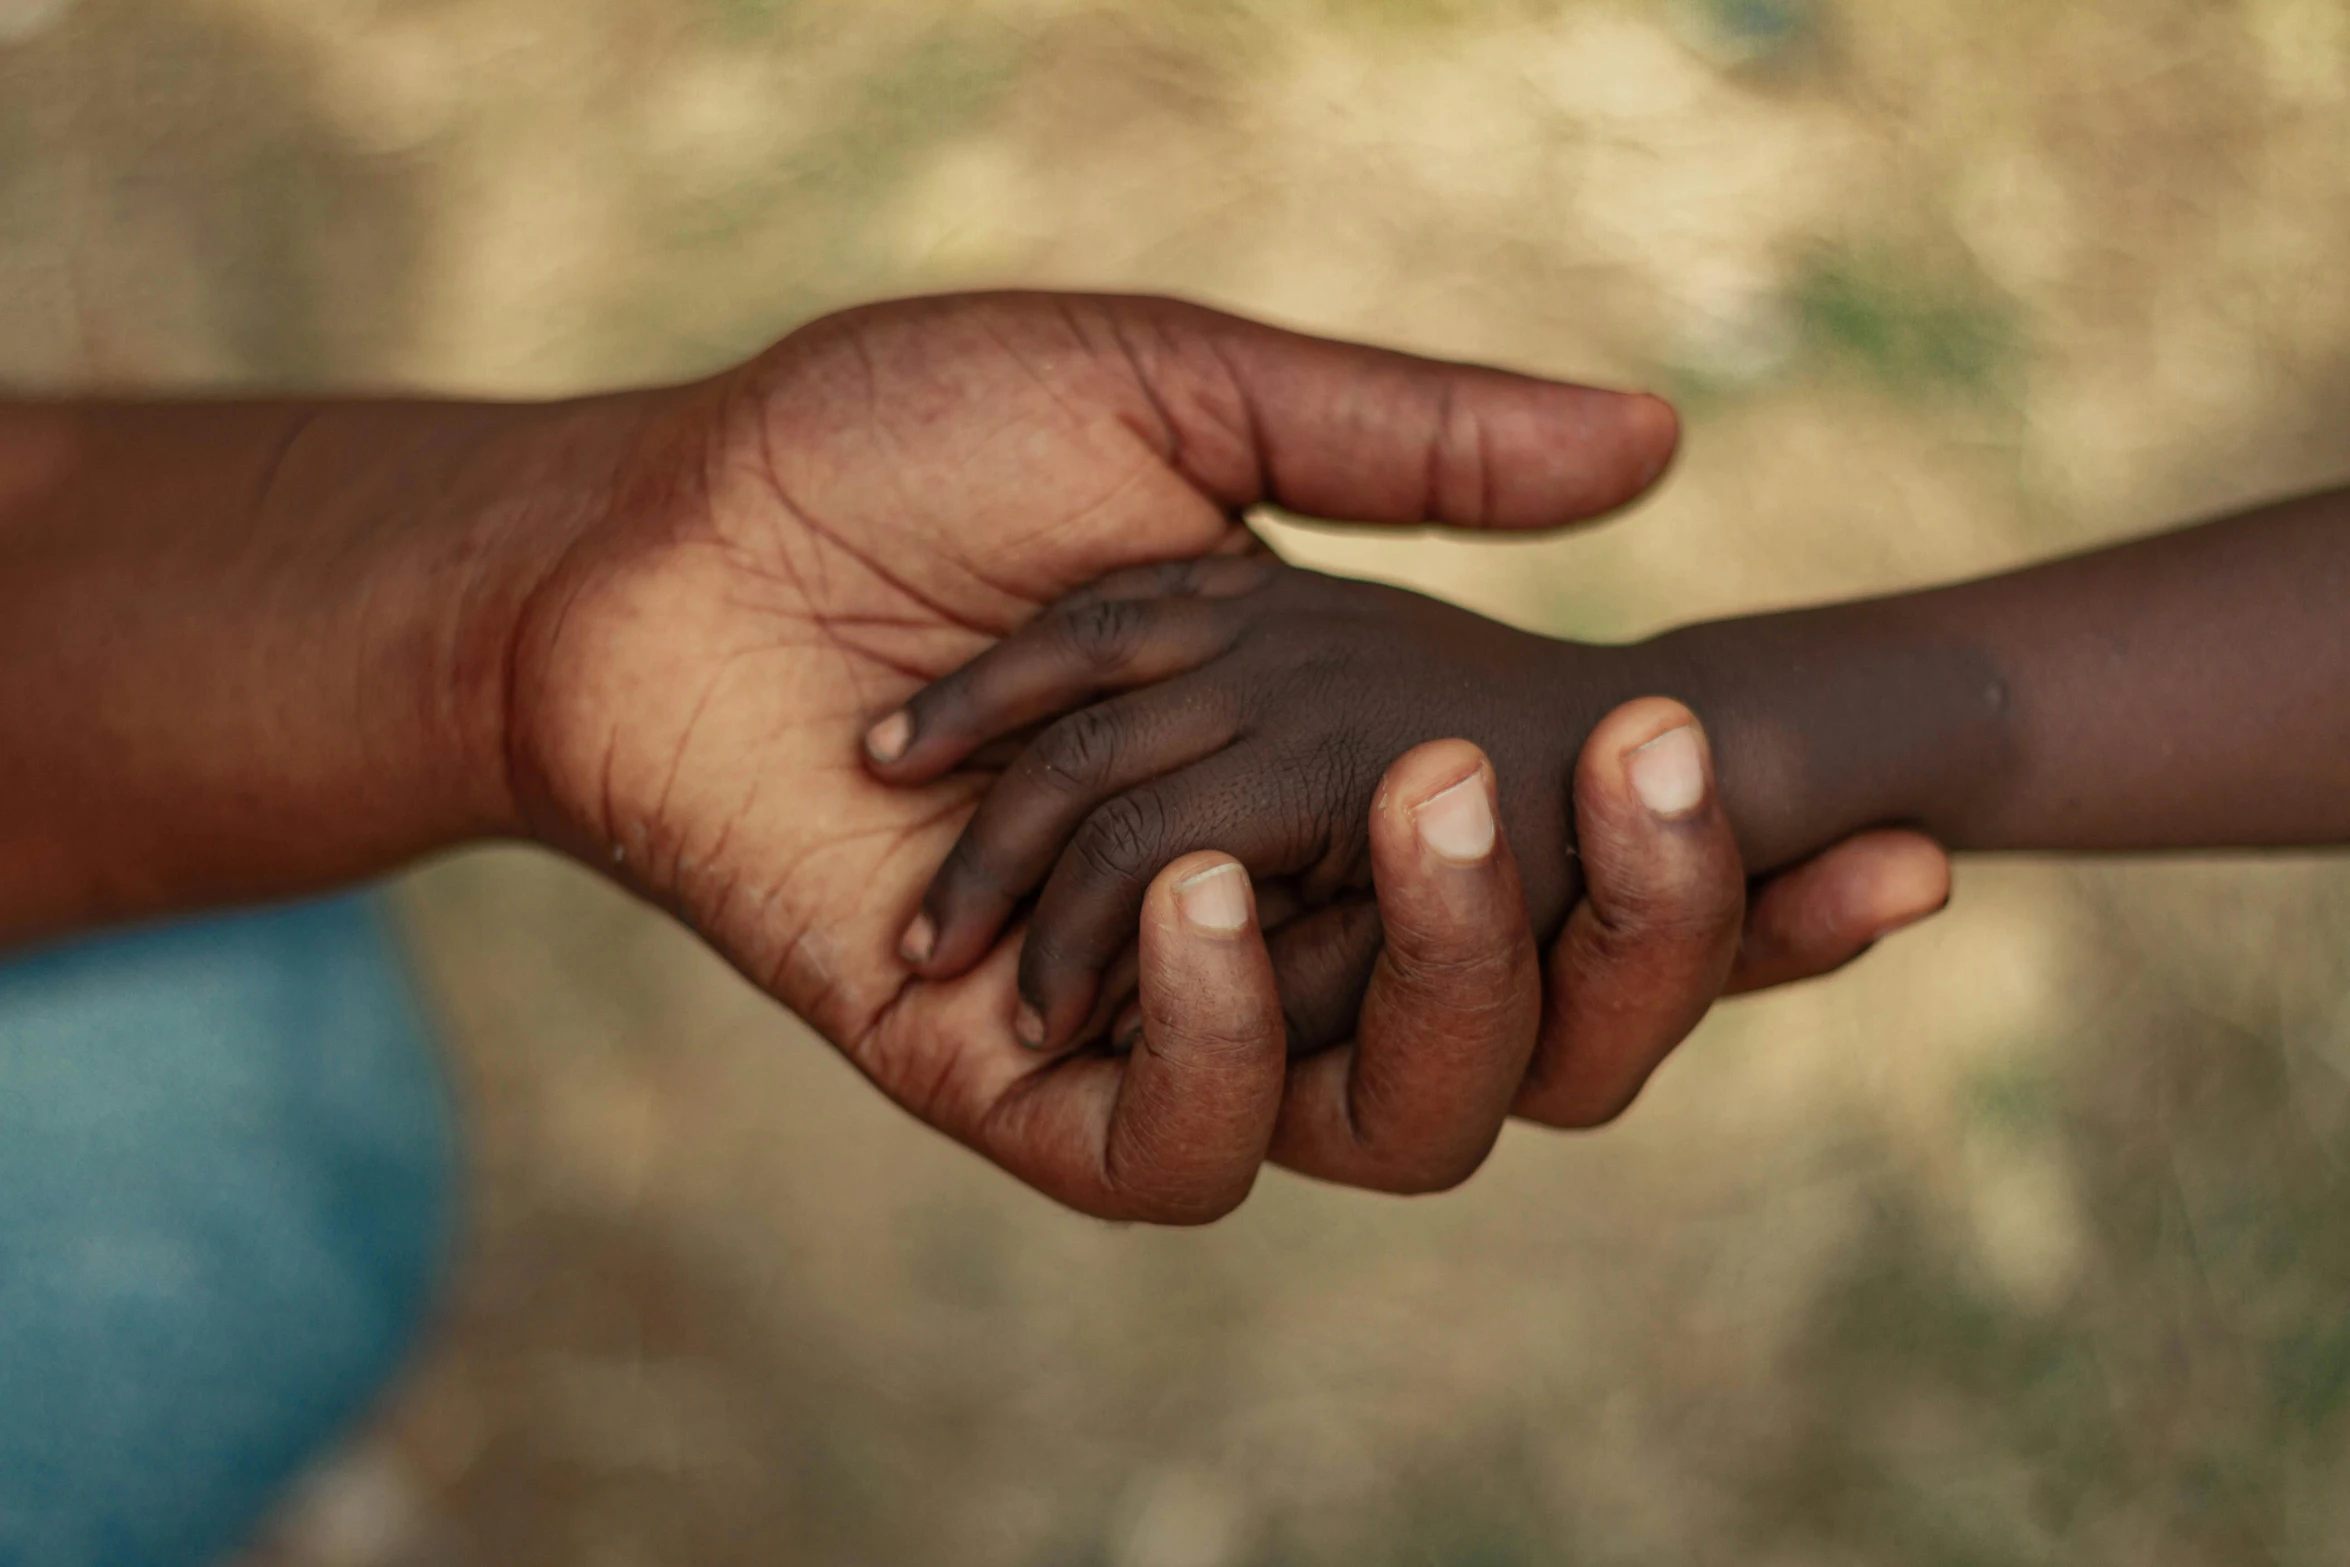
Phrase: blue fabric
[226,1180]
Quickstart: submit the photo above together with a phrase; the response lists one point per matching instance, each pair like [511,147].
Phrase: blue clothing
[226,1185]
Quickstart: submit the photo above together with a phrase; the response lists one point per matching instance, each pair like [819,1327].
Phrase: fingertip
[1456,824]
[1205,901]
[1437,849]
[1823,914]
[1908,880]
[886,742]
[1207,894]
[1449,894]
[908,750]
[1635,724]
[1649,756]
[1652,427]
[953,931]
[1208,1005]
[919,944]
[1060,996]
[1420,775]
[1661,865]
[1671,773]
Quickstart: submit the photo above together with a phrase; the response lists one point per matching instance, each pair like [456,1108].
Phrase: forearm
[248,650]
[2186,691]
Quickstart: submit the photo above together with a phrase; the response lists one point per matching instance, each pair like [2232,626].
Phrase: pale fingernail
[1457,825]
[919,941]
[1668,773]
[887,740]
[1214,900]
[1028,1027]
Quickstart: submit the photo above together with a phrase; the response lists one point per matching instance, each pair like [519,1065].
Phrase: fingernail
[1457,825]
[919,941]
[887,740]
[1028,1027]
[1668,773]
[1215,900]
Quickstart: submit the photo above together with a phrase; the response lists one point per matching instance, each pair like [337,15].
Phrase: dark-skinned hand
[1245,706]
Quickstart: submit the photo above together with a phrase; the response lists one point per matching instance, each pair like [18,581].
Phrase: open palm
[800,544]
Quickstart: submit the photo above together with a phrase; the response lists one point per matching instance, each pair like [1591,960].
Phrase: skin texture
[1270,701]
[2188,691]
[250,650]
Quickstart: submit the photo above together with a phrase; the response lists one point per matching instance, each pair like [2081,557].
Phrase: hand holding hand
[798,546]
[1466,1021]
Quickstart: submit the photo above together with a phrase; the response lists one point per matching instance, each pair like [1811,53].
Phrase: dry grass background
[2029,1241]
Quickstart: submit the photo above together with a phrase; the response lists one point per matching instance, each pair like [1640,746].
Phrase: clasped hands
[786,553]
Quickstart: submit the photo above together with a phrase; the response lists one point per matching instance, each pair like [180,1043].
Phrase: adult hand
[1465,1022]
[794,548]
[254,649]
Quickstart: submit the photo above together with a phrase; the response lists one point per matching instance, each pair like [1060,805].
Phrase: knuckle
[1427,1175]
[1469,980]
[1571,1100]
[1208,1041]
[1663,897]
[1121,840]
[1102,634]
[1676,918]
[1594,1114]
[1079,751]
[1141,1190]
[1412,1158]
[1446,1177]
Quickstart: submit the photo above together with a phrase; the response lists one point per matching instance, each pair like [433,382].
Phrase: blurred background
[2028,1241]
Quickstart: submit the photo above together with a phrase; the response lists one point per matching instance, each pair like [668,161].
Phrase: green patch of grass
[1755,35]
[2017,1101]
[751,18]
[938,87]
[2309,1374]
[1904,324]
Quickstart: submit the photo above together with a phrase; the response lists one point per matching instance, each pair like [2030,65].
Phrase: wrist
[1828,722]
[253,650]
[1739,680]
[472,514]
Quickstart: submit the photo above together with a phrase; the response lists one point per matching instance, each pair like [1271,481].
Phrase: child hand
[1235,704]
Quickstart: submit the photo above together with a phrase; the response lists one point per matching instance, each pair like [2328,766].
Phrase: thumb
[1251,413]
